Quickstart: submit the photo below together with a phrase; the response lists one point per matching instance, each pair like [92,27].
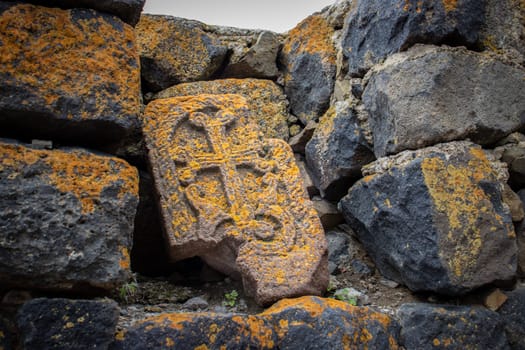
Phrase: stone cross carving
[234,198]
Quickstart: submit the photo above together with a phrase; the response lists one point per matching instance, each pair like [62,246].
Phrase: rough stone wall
[407,119]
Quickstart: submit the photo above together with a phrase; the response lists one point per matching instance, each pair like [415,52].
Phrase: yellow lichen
[53,55]
[125,261]
[450,5]
[83,174]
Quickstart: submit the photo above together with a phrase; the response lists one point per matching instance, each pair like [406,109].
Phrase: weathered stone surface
[503,30]
[337,151]
[255,61]
[304,323]
[308,183]
[456,95]
[328,213]
[434,219]
[427,326]
[308,59]
[513,315]
[299,141]
[234,198]
[513,201]
[127,10]
[375,29]
[66,218]
[520,235]
[67,324]
[266,100]
[67,74]
[176,50]
[513,153]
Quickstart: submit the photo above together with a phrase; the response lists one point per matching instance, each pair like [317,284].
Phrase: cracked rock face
[234,198]
[434,219]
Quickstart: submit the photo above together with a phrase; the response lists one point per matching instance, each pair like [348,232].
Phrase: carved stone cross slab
[234,198]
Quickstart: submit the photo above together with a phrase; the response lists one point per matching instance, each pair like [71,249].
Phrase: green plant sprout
[231,298]
[345,295]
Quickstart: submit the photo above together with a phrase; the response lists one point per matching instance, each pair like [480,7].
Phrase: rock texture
[67,324]
[375,29]
[66,218]
[434,219]
[266,100]
[304,323]
[337,151]
[513,315]
[458,94]
[175,50]
[426,326]
[127,10]
[93,98]
[234,198]
[520,235]
[308,58]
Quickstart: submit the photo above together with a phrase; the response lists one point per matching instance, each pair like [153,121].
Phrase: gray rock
[337,151]
[426,326]
[66,218]
[93,99]
[128,10]
[433,94]
[375,29]
[299,141]
[67,324]
[513,315]
[196,303]
[338,249]
[308,60]
[255,61]
[328,213]
[175,50]
[308,183]
[514,155]
[434,219]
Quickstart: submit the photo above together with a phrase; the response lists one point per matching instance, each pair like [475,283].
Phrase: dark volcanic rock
[375,29]
[520,235]
[67,74]
[67,324]
[304,323]
[434,219]
[127,10]
[426,326]
[66,218]
[513,316]
[433,94]
[308,60]
[175,50]
[337,151]
[7,334]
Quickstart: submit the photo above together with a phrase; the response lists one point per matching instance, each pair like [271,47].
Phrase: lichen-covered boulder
[304,323]
[434,94]
[434,219]
[427,326]
[375,29]
[127,10]
[308,58]
[67,74]
[337,151]
[512,313]
[266,100]
[66,218]
[234,198]
[176,50]
[67,324]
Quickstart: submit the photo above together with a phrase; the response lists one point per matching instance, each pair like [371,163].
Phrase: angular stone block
[430,94]
[308,59]
[234,198]
[175,50]
[513,315]
[375,29]
[434,219]
[66,218]
[67,74]
[427,326]
[266,100]
[303,323]
[67,324]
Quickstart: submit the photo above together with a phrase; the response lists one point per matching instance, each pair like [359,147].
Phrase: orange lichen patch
[54,55]
[173,320]
[265,100]
[256,329]
[312,36]
[456,193]
[83,174]
[125,261]
[450,5]
[174,43]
